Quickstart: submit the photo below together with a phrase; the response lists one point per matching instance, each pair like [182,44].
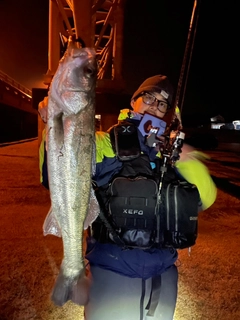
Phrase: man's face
[151,102]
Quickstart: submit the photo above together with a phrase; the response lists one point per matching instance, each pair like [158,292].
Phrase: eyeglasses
[150,100]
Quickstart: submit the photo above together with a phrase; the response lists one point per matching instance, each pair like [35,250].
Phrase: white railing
[15,84]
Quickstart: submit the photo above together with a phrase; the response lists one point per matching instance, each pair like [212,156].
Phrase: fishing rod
[173,144]
[187,56]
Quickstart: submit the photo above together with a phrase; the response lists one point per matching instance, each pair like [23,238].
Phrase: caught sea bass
[70,152]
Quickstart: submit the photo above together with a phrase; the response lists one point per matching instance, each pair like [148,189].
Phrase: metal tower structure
[99,23]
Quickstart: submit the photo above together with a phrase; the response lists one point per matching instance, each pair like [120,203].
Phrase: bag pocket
[132,207]
[179,214]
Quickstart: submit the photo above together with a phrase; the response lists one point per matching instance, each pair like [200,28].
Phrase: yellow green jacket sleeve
[195,172]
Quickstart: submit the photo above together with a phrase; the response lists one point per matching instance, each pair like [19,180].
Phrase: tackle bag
[140,223]
[179,207]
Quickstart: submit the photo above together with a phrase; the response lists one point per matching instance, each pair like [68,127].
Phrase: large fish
[70,151]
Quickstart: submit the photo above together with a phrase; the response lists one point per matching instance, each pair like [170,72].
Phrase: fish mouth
[77,91]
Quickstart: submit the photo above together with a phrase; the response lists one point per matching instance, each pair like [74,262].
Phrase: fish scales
[70,143]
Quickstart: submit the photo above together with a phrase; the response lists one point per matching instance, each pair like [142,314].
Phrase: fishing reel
[173,147]
[169,143]
[170,146]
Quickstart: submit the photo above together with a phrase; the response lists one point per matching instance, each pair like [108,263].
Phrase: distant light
[236,124]
[217,125]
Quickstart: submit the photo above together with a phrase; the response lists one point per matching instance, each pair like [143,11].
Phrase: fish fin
[71,289]
[51,226]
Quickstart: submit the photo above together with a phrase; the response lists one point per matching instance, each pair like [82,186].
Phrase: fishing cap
[158,83]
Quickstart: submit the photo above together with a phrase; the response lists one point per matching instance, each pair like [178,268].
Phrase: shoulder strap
[154,296]
[108,224]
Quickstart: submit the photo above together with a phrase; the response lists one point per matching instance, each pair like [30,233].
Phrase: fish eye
[89,71]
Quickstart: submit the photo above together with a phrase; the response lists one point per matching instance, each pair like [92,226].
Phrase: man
[138,283]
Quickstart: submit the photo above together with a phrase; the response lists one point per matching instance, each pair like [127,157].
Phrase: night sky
[155,35]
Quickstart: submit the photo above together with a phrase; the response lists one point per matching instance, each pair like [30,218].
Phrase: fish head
[73,85]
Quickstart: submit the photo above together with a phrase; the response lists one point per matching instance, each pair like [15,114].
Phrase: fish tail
[71,289]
